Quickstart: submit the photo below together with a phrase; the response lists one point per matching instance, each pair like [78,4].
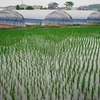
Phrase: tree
[69,5]
[29,8]
[17,7]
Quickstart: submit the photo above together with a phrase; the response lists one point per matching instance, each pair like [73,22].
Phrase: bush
[17,7]
[29,8]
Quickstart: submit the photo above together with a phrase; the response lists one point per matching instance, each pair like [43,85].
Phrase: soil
[6,26]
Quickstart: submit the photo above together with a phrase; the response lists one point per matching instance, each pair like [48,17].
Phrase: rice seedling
[50,64]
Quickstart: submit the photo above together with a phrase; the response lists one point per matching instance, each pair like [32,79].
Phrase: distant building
[62,8]
[37,7]
[96,9]
[53,5]
[1,8]
[99,10]
[10,8]
[83,8]
[23,6]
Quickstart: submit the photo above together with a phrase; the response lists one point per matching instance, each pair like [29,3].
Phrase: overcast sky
[45,2]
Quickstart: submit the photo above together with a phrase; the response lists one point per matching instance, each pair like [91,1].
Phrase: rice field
[50,63]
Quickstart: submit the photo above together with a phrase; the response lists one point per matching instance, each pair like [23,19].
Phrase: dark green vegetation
[50,63]
[11,36]
[94,6]
[29,8]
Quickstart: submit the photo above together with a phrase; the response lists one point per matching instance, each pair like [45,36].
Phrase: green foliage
[29,8]
[17,7]
[94,6]
[69,5]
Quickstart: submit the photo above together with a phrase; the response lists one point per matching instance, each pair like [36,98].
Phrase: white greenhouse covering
[34,14]
[79,14]
[22,17]
[41,14]
[11,18]
[94,15]
[58,17]
[59,14]
[10,14]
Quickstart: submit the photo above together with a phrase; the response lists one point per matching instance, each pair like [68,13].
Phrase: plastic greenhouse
[60,16]
[34,16]
[84,16]
[29,17]
[94,17]
[11,18]
[57,17]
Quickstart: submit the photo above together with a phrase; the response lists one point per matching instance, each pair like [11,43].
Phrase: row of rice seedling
[41,69]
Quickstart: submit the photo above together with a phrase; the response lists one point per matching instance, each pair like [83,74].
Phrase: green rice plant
[94,77]
[98,91]
[50,61]
[72,95]
[78,69]
[28,93]
[85,94]
[83,84]
[99,75]
[92,93]
[63,92]
[78,79]
[4,95]
[69,76]
[87,68]
[43,94]
[79,92]
[12,91]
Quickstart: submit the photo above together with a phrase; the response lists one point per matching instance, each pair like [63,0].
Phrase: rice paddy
[50,63]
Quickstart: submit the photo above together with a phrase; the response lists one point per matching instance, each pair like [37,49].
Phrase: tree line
[68,4]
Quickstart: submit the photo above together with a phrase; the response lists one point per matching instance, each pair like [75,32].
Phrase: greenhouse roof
[94,15]
[42,14]
[79,14]
[58,14]
[10,14]
[34,14]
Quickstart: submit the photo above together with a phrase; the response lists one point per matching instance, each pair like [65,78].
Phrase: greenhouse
[11,18]
[73,17]
[84,16]
[34,16]
[58,17]
[45,17]
[94,17]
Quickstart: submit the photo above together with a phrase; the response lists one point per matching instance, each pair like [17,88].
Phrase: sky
[45,2]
